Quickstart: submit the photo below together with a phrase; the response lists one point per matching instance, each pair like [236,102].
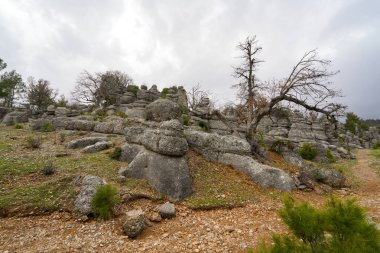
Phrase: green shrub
[185,119]
[133,88]
[376,145]
[105,198]
[340,226]
[143,87]
[307,152]
[330,156]
[120,114]
[33,142]
[47,127]
[203,125]
[116,153]
[279,145]
[19,126]
[101,113]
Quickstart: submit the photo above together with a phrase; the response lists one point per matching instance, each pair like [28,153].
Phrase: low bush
[143,87]
[33,142]
[120,114]
[204,126]
[104,200]
[116,153]
[49,169]
[185,119]
[376,145]
[307,152]
[330,156]
[19,126]
[133,88]
[340,226]
[47,127]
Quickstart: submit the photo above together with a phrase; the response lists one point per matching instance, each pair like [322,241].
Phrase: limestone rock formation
[15,117]
[84,142]
[88,189]
[98,146]
[162,110]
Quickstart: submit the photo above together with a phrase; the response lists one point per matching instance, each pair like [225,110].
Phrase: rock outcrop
[88,189]
[15,117]
[162,110]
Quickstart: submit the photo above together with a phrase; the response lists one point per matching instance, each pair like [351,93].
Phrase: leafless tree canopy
[101,88]
[196,95]
[308,85]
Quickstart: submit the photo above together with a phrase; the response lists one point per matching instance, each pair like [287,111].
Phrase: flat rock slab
[84,142]
[99,146]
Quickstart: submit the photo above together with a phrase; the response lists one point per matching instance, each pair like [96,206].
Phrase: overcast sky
[189,42]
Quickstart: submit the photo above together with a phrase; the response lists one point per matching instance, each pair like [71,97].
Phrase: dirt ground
[222,230]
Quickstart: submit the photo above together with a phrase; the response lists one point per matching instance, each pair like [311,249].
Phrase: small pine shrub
[120,114]
[104,200]
[49,169]
[330,156]
[376,145]
[33,142]
[133,88]
[19,126]
[116,153]
[340,226]
[47,127]
[185,119]
[307,152]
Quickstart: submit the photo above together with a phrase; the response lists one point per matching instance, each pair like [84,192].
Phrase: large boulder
[263,175]
[84,142]
[134,223]
[162,110]
[168,175]
[129,152]
[99,146]
[88,189]
[105,127]
[39,124]
[330,177]
[167,140]
[211,145]
[80,125]
[61,112]
[15,117]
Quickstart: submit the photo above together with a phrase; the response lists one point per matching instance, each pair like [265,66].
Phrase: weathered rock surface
[162,110]
[15,117]
[330,177]
[84,142]
[212,145]
[167,210]
[134,223]
[81,125]
[168,175]
[38,124]
[99,146]
[129,152]
[263,175]
[88,189]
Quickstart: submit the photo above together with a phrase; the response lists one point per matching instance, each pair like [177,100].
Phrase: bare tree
[307,86]
[100,88]
[196,95]
[87,88]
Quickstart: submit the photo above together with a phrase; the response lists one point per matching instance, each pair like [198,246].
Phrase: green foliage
[170,90]
[133,88]
[279,145]
[47,127]
[39,94]
[19,126]
[11,85]
[203,125]
[116,153]
[61,102]
[307,152]
[143,87]
[330,156]
[120,114]
[354,124]
[33,142]
[340,226]
[185,119]
[100,113]
[376,145]
[105,198]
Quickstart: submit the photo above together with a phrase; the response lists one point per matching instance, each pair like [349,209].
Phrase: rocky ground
[218,230]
